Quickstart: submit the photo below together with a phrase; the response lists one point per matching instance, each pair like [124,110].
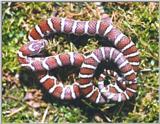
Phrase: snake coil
[125,55]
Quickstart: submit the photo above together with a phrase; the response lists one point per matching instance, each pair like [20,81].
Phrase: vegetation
[26,103]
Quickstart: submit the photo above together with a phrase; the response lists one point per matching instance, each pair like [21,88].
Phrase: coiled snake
[124,55]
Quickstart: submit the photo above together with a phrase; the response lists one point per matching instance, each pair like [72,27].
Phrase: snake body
[102,28]
[42,65]
[87,71]
[125,55]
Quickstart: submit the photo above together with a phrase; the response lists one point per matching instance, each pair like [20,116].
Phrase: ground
[24,101]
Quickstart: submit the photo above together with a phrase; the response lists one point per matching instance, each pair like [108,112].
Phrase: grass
[135,19]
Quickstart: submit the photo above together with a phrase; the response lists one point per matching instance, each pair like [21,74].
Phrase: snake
[124,54]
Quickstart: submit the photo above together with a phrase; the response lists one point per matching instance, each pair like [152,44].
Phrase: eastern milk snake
[125,55]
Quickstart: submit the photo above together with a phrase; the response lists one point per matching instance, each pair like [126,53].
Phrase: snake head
[36,46]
